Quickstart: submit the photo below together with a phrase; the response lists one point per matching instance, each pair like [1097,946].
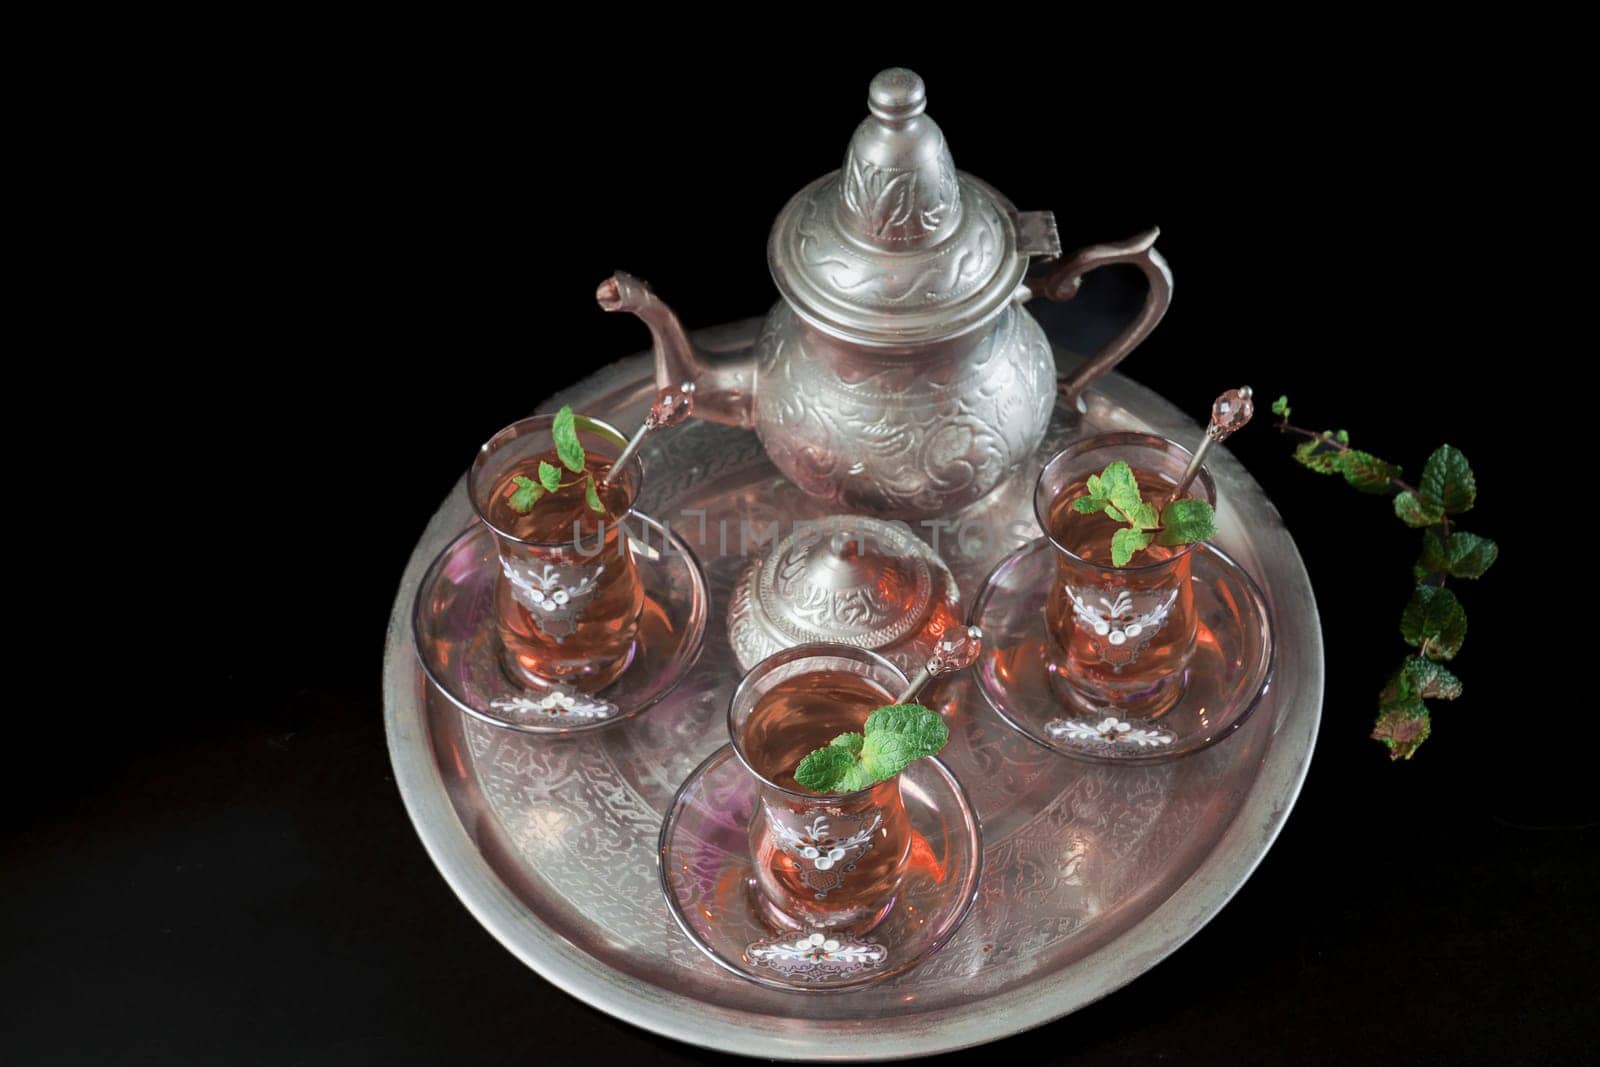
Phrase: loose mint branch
[1339,443]
[1433,622]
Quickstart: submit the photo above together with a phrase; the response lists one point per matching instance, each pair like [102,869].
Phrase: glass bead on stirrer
[954,653]
[1228,415]
[673,405]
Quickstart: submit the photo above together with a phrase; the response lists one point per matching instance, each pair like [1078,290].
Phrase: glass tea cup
[569,597]
[822,862]
[1123,636]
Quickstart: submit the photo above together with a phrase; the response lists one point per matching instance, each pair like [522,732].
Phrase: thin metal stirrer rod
[918,680]
[1229,413]
[672,406]
[628,450]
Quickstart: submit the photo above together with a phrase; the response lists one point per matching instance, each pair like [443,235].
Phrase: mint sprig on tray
[893,737]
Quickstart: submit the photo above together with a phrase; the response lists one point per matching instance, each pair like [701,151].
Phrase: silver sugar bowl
[900,374]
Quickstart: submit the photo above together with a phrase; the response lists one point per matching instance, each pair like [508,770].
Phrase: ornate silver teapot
[899,375]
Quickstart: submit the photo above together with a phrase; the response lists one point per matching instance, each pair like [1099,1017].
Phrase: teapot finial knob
[897,95]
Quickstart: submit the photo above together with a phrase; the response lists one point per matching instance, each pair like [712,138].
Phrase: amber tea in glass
[569,597]
[1123,635]
[821,861]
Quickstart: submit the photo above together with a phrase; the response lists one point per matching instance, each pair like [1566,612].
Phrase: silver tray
[1093,874]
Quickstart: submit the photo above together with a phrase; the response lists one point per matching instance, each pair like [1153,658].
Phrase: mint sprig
[893,737]
[527,494]
[570,451]
[1115,492]
[565,432]
[1186,521]
[1434,622]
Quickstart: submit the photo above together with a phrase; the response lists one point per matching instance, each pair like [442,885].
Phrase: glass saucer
[1224,681]
[458,641]
[711,891]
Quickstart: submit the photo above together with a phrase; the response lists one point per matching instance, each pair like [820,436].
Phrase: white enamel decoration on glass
[1119,631]
[825,856]
[554,596]
[556,704]
[814,957]
[1109,730]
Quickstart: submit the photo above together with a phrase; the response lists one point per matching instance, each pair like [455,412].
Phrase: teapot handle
[1062,284]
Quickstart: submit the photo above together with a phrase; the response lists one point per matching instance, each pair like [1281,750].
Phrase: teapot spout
[723,388]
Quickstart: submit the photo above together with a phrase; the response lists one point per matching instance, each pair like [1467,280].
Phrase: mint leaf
[1403,728]
[1433,559]
[1470,555]
[1413,510]
[1121,487]
[550,476]
[1429,679]
[851,743]
[1280,407]
[592,495]
[1098,499]
[1447,482]
[1144,517]
[1125,542]
[923,727]
[825,770]
[885,755]
[1434,621]
[1367,472]
[857,778]
[1312,455]
[527,494]
[1186,521]
[1403,721]
[1398,693]
[565,432]
[895,735]
[1116,492]
[1464,555]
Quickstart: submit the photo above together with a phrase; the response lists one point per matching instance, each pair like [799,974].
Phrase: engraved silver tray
[1092,874]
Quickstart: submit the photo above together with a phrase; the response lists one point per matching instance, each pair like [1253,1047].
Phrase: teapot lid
[896,247]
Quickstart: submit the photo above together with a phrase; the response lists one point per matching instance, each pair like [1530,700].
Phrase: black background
[380,269]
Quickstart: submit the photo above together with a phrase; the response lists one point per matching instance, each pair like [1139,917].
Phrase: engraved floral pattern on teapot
[887,200]
[899,375]
[901,437]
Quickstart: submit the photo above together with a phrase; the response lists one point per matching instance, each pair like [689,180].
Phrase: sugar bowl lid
[896,247]
[847,580]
